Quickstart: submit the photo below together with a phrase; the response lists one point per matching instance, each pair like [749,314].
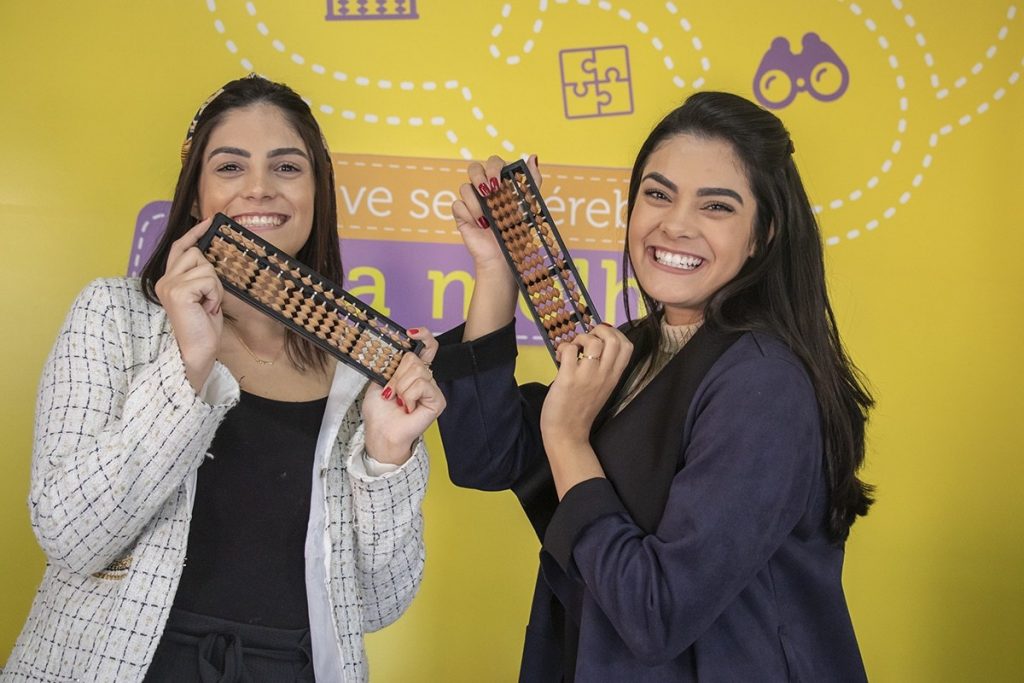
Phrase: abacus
[539,260]
[305,301]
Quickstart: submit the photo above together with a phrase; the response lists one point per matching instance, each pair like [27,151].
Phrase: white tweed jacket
[119,436]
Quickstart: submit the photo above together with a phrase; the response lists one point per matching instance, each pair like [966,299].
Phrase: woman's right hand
[493,303]
[469,216]
[192,294]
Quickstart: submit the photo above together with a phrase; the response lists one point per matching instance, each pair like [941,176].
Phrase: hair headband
[186,146]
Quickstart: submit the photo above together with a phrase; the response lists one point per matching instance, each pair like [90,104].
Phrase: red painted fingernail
[483,222]
[386,393]
[494,184]
[484,190]
[414,330]
[398,400]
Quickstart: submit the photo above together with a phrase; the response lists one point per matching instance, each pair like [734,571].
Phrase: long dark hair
[781,289]
[321,252]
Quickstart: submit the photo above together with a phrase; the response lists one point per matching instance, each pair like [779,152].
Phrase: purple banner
[428,285]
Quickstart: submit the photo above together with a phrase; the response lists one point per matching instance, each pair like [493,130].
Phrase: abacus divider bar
[520,282]
[328,305]
[520,279]
[306,334]
[290,262]
[520,167]
[246,296]
[220,220]
[302,287]
[207,238]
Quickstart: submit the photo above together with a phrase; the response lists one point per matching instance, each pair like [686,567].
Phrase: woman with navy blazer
[692,475]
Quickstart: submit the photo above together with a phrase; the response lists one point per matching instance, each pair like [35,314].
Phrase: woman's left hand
[589,369]
[398,413]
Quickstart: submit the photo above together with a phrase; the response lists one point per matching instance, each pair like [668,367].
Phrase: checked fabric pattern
[119,436]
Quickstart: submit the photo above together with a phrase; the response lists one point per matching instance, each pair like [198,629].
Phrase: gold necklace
[259,361]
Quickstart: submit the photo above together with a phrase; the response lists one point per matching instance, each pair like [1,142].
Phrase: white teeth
[260,221]
[673,260]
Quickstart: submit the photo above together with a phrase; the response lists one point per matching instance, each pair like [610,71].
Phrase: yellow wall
[96,97]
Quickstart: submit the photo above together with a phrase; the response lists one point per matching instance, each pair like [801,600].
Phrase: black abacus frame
[262,262]
[508,172]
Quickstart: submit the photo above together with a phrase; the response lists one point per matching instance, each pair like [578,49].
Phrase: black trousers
[205,649]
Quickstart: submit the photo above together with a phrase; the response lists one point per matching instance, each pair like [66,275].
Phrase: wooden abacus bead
[393,361]
[342,336]
[292,304]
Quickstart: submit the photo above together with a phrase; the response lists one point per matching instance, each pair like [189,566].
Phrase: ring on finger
[587,356]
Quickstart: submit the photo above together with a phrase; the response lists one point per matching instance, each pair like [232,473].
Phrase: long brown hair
[321,252]
[782,289]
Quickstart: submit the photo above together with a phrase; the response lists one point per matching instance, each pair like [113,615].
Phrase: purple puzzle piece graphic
[363,10]
[149,227]
[596,81]
[817,70]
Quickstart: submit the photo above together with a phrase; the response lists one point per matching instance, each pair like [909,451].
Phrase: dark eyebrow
[228,150]
[281,151]
[712,191]
[657,177]
[702,192]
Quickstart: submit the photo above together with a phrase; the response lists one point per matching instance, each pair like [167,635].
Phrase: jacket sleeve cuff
[456,358]
[221,388]
[365,468]
[583,504]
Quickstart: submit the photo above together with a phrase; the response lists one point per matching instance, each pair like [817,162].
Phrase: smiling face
[691,229]
[257,170]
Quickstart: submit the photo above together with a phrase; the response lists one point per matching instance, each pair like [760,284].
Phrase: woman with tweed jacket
[216,498]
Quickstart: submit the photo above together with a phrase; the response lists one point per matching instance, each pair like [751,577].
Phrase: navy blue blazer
[738,582]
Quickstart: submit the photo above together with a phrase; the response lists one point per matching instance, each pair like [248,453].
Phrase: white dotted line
[698,45]
[461,171]
[926,161]
[570,239]
[142,237]
[363,81]
[528,46]
[622,13]
[929,60]
[391,228]
[962,121]
[901,125]
[560,176]
[399,167]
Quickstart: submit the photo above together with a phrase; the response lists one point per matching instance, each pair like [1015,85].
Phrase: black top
[246,542]
[739,582]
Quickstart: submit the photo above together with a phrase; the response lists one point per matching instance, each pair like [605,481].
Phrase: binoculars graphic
[817,70]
